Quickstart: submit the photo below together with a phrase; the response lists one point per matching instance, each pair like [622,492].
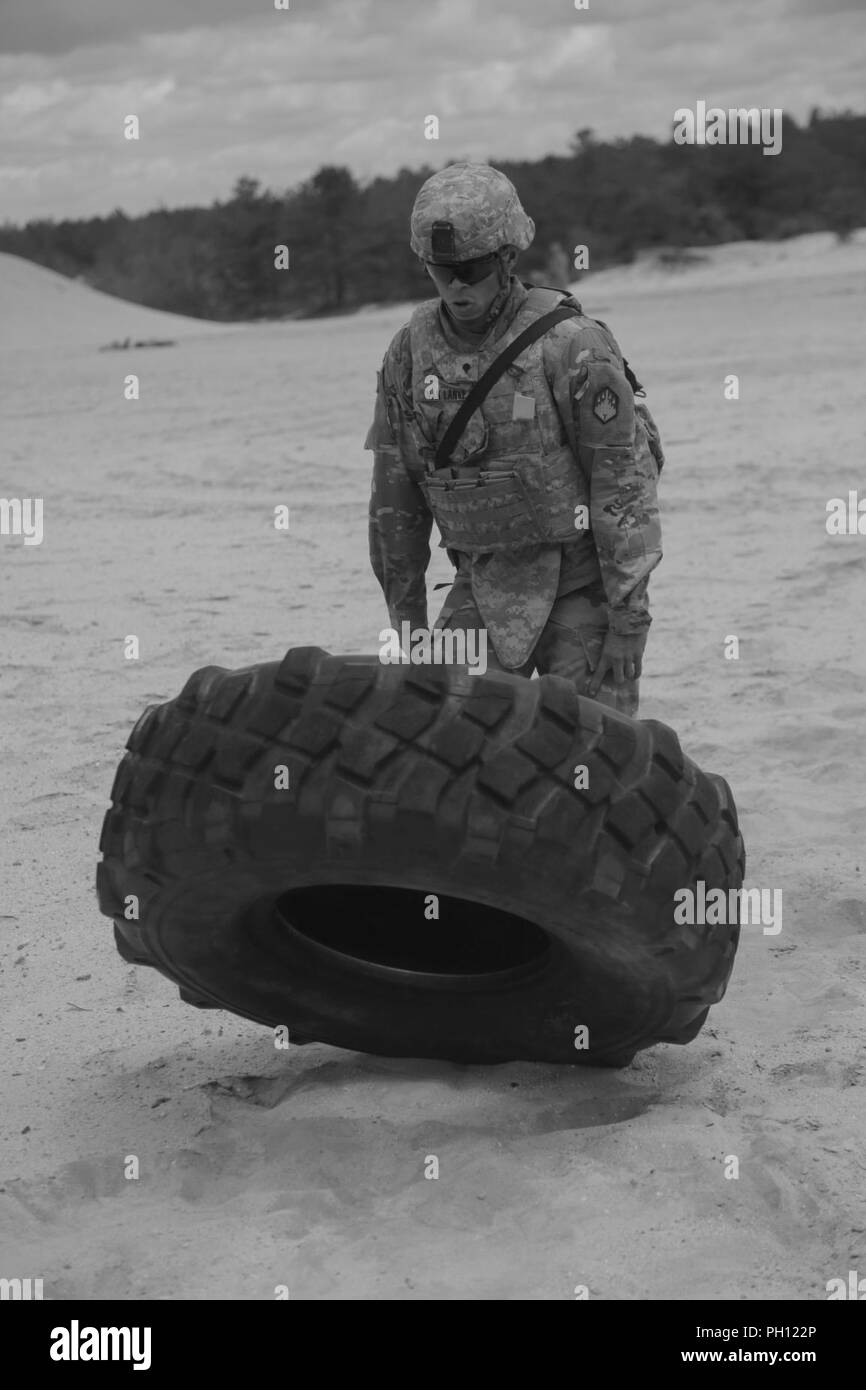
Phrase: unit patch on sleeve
[605,404]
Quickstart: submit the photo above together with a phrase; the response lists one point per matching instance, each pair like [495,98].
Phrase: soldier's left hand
[622,656]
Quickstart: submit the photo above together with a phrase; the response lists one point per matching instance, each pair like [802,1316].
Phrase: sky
[224,88]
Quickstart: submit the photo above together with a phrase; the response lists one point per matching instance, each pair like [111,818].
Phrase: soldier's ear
[509,256]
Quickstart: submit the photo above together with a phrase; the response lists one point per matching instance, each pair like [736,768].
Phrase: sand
[305,1168]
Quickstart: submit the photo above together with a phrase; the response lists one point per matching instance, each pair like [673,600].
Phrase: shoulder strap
[480,390]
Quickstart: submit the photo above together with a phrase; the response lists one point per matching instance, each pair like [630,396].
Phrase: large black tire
[309,907]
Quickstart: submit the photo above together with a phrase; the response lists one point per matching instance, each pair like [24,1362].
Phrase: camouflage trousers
[570,643]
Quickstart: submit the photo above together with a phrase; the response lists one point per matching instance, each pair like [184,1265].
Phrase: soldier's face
[465,302]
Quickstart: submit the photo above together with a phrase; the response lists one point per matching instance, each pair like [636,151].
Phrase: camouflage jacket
[615,445]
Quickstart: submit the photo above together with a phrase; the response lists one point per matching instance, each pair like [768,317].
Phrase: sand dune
[39,308]
[306,1168]
[735,263]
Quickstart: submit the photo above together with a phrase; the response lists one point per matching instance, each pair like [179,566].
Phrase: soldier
[546,498]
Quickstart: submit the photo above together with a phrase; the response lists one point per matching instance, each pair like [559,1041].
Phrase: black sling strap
[482,387]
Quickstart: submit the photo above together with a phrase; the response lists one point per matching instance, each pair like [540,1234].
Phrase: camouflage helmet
[465,211]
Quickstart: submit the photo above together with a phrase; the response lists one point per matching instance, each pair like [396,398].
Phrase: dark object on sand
[396,859]
[121,345]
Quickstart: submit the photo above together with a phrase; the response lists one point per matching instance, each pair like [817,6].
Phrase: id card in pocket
[523,408]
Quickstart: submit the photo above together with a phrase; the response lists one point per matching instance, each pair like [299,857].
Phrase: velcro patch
[605,404]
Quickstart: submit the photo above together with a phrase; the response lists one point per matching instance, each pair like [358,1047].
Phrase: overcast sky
[230,87]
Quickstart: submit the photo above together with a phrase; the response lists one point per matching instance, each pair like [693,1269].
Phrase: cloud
[276,94]
[58,26]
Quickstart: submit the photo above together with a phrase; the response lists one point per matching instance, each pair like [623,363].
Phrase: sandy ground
[305,1168]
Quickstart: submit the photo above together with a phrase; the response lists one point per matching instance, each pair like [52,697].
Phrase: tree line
[348,243]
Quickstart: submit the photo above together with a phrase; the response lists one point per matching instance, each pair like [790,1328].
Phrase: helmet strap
[506,281]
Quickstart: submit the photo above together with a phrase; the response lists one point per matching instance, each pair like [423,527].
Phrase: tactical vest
[515,482]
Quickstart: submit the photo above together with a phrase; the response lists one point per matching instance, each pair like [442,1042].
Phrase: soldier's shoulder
[590,331]
[580,334]
[396,370]
[399,346]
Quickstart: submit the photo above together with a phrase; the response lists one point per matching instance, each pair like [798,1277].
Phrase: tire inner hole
[387,927]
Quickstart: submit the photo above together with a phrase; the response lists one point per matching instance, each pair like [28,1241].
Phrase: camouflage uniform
[565,419]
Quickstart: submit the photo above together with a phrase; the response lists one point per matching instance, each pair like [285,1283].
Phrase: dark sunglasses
[467,272]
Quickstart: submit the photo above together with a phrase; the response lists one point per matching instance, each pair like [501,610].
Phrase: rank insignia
[605,404]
